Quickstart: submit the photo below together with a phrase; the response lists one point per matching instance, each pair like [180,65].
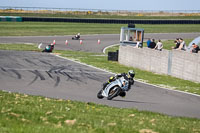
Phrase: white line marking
[104,50]
[39,46]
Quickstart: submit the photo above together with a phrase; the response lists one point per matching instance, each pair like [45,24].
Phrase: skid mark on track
[17,73]
[57,81]
[4,70]
[45,62]
[10,72]
[49,74]
[37,75]
[67,74]
[31,62]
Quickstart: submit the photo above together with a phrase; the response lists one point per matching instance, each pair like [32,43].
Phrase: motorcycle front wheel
[99,94]
[113,93]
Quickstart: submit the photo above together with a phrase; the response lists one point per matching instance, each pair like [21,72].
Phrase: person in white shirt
[182,45]
[159,45]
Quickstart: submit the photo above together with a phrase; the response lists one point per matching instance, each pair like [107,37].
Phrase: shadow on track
[131,101]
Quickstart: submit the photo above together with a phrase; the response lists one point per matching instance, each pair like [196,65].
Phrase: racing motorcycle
[116,86]
[76,37]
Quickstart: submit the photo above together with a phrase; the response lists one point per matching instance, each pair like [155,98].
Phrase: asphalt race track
[47,75]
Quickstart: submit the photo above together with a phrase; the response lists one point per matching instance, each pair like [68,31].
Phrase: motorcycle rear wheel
[113,93]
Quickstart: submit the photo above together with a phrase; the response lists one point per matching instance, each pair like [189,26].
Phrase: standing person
[148,42]
[177,43]
[152,44]
[195,48]
[159,45]
[182,45]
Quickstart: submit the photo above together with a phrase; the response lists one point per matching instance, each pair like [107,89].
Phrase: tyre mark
[17,73]
[37,74]
[33,80]
[53,69]
[49,74]
[44,62]
[3,69]
[31,62]
[57,81]
[8,72]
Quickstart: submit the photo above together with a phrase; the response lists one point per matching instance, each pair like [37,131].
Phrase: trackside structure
[180,64]
[131,36]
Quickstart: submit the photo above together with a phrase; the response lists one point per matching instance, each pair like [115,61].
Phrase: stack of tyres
[113,56]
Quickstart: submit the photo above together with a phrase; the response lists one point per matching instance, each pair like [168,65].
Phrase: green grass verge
[20,113]
[19,47]
[59,28]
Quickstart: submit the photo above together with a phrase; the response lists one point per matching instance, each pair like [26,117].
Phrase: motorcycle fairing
[117,82]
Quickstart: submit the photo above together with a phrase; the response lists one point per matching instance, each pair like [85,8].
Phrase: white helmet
[131,73]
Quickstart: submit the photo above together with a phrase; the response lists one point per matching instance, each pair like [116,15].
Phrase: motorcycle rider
[49,48]
[77,36]
[127,76]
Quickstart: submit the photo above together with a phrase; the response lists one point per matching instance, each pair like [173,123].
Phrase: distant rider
[77,36]
[49,48]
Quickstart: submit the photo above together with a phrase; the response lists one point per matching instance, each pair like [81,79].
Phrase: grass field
[59,28]
[20,113]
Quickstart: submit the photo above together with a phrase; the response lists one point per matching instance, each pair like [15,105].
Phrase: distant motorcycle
[76,37]
[49,48]
[117,86]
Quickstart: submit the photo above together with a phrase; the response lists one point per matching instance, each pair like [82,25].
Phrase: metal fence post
[169,63]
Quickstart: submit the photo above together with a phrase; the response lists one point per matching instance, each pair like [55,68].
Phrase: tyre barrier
[10,19]
[110,21]
[113,56]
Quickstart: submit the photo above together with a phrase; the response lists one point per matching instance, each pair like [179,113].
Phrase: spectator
[137,45]
[195,48]
[148,43]
[182,45]
[131,38]
[152,44]
[159,45]
[177,44]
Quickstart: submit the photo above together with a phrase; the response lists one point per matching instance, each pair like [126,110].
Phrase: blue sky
[108,4]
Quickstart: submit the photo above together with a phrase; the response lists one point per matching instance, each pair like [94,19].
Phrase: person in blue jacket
[148,42]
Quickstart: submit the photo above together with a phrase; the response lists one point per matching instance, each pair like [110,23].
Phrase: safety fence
[11,18]
[111,21]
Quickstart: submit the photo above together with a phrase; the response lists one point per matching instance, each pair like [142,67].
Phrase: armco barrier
[11,18]
[111,21]
[176,63]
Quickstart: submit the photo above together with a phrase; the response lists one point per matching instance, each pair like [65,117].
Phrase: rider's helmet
[131,74]
[79,34]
